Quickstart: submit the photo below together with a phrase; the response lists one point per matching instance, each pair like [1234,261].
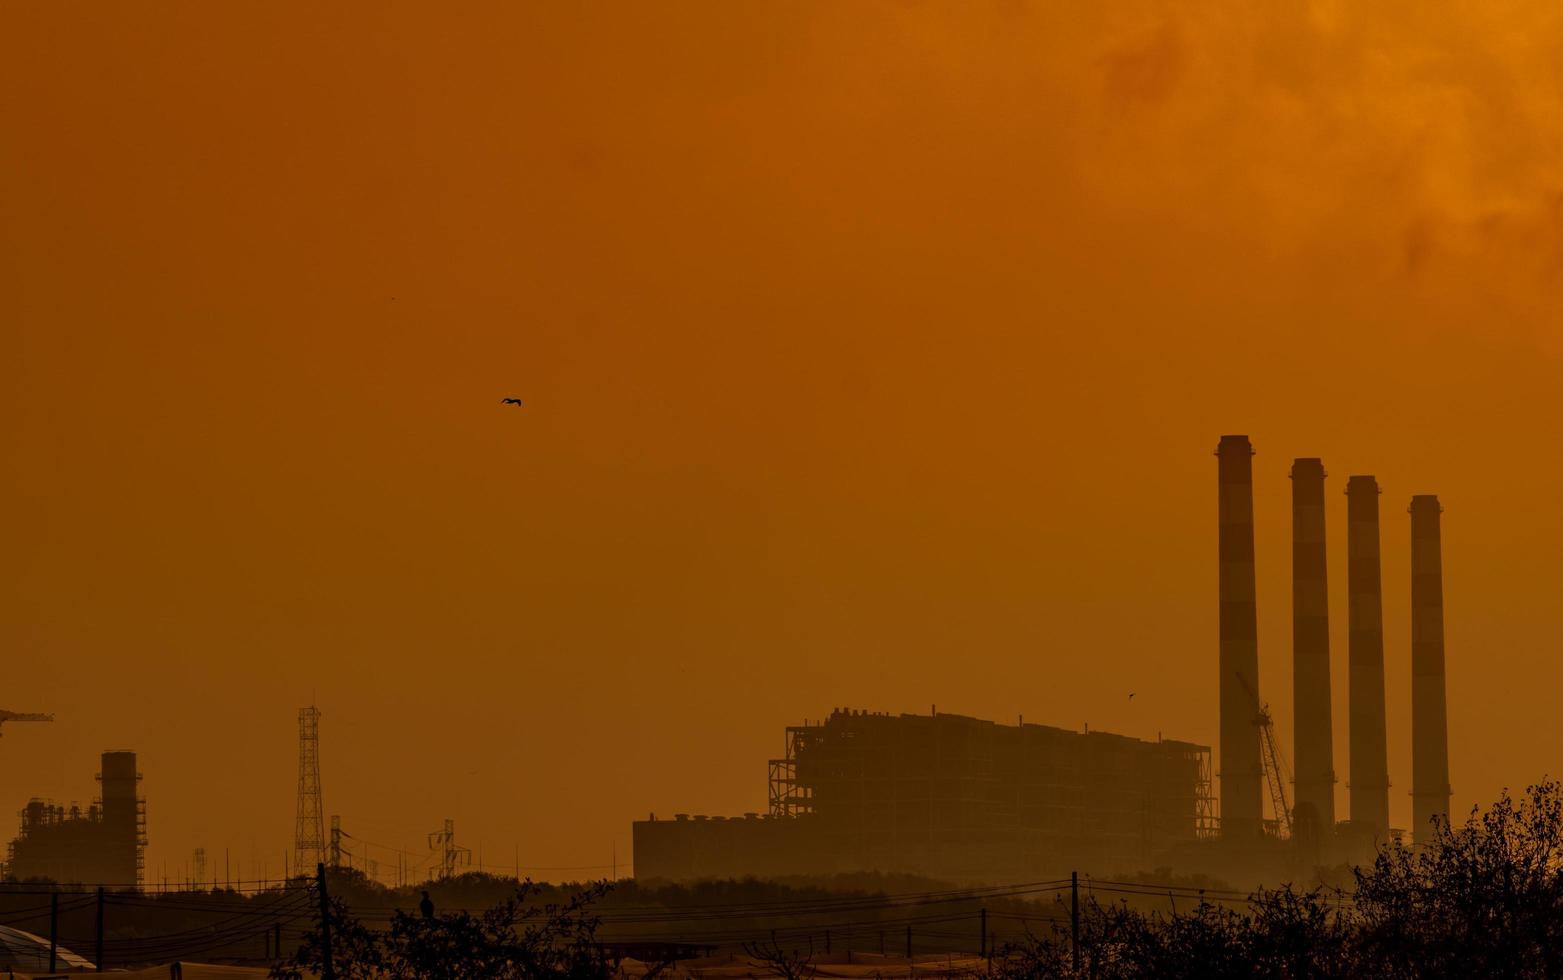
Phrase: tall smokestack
[1314,747]
[1240,771]
[1429,707]
[1369,781]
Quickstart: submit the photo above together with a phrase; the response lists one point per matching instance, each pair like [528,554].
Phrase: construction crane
[1277,773]
[6,716]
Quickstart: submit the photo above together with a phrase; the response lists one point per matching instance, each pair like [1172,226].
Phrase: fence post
[326,970]
[827,941]
[1074,919]
[908,942]
[100,929]
[276,939]
[54,931]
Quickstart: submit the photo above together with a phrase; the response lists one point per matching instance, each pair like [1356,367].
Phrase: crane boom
[6,716]
[1276,772]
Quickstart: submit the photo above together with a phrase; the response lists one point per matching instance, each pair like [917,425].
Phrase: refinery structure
[102,844]
[961,799]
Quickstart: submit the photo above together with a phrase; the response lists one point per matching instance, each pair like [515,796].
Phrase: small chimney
[1369,782]
[1314,745]
[1241,775]
[1429,700]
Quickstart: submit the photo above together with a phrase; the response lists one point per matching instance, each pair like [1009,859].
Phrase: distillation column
[1314,745]
[1239,656]
[1429,703]
[1369,782]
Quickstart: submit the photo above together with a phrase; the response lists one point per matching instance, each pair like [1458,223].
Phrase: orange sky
[874,355]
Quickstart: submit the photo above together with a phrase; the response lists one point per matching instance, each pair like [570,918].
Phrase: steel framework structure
[309,834]
[788,797]
[451,857]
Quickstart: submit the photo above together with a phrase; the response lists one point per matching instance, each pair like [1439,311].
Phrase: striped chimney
[1429,703]
[1239,680]
[1369,783]
[1314,747]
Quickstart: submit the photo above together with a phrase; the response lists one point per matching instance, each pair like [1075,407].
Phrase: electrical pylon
[451,856]
[309,834]
[336,842]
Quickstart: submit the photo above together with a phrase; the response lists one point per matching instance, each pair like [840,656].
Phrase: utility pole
[1074,920]
[327,972]
[99,957]
[54,931]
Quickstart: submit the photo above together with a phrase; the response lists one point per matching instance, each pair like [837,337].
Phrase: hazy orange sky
[873,355]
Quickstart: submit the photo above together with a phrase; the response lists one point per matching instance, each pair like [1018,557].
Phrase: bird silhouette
[1131,695]
[510,401]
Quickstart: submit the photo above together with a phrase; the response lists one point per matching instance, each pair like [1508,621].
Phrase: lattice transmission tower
[309,835]
[451,857]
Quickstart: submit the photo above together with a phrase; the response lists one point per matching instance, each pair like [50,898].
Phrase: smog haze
[872,355]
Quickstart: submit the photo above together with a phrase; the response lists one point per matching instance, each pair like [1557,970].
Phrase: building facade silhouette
[103,844]
[949,797]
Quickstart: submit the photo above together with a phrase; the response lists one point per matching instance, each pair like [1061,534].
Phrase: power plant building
[948,797]
[103,844]
[961,799]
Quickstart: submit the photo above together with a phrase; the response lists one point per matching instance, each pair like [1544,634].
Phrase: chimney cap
[1362,484]
[1425,502]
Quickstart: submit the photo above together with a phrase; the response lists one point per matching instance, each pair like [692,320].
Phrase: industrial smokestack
[1314,748]
[1429,706]
[1369,783]
[1239,685]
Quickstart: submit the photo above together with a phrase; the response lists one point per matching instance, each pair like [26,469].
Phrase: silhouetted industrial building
[103,844]
[950,797]
[967,800]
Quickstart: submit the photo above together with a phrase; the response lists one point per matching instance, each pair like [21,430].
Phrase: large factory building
[949,797]
[966,800]
[103,844]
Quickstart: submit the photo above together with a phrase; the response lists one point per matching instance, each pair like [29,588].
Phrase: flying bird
[510,401]
[1131,695]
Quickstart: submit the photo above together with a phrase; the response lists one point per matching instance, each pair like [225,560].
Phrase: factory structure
[962,799]
[102,844]
[949,797]
[1246,758]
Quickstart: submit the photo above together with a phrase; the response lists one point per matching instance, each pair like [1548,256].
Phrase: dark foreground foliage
[1484,899]
[513,940]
